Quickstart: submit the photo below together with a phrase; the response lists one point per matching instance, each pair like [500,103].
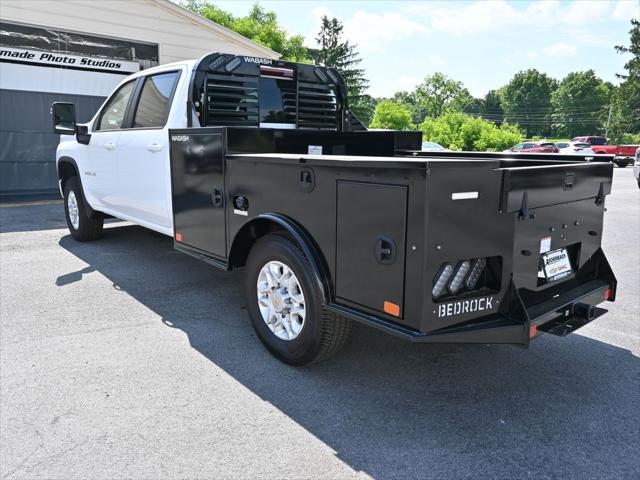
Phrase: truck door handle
[110,146]
[154,147]
[385,250]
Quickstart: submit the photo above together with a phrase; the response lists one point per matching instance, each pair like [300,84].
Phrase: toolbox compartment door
[547,185]
[197,188]
[370,245]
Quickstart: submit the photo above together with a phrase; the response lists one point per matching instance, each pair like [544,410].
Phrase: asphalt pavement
[123,358]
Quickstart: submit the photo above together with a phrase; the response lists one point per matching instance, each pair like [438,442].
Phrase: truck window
[113,112]
[155,100]
[597,140]
[277,101]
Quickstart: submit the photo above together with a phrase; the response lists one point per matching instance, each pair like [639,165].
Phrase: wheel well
[66,170]
[250,233]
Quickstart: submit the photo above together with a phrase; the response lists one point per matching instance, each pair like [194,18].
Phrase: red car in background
[534,147]
[623,153]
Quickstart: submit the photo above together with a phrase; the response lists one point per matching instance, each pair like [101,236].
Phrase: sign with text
[57,59]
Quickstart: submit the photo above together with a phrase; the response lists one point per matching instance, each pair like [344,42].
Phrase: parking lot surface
[124,358]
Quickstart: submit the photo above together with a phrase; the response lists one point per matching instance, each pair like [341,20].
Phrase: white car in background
[636,167]
[574,148]
[433,147]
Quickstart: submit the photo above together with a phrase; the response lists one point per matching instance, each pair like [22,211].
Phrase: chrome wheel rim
[281,300]
[72,207]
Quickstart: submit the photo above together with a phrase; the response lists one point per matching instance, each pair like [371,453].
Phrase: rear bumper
[560,315]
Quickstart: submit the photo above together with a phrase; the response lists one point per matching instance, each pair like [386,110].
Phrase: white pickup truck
[258,163]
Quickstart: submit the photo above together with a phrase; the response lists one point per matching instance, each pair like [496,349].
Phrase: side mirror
[64,118]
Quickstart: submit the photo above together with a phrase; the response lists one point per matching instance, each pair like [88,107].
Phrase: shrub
[458,131]
[391,115]
[630,139]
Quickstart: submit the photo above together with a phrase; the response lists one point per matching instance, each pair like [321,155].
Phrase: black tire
[323,333]
[89,227]
[622,163]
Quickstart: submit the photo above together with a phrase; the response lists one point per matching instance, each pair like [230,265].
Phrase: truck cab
[121,156]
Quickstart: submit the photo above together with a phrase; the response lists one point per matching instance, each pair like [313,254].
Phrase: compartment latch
[385,250]
[569,179]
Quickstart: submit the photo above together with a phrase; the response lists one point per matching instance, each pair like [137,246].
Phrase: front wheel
[285,304]
[82,225]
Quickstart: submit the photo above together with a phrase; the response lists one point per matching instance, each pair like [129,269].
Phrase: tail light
[468,275]
[441,280]
[458,279]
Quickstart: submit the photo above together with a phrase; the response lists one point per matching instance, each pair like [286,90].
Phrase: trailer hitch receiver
[578,316]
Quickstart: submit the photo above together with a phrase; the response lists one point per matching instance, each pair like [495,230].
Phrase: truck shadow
[393,409]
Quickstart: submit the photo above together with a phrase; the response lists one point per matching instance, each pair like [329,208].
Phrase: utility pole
[606,132]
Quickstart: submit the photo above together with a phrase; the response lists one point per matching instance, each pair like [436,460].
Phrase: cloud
[461,19]
[436,60]
[369,31]
[625,10]
[387,88]
[560,50]
[499,15]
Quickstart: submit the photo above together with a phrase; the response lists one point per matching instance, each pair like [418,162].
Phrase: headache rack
[229,90]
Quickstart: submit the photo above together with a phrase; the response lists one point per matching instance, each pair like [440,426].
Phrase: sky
[480,43]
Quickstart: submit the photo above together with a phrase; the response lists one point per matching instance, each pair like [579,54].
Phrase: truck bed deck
[419,157]
[383,219]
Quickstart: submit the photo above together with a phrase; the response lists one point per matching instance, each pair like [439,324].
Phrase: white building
[78,50]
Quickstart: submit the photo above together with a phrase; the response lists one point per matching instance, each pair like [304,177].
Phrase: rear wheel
[285,304]
[622,163]
[82,225]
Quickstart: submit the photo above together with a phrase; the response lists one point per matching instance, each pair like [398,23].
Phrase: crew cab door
[100,174]
[143,161]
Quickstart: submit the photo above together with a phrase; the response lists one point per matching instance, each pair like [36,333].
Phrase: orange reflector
[608,293]
[392,309]
[178,237]
[533,331]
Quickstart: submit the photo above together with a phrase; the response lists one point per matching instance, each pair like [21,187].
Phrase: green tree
[409,100]
[579,104]
[365,108]
[391,115]
[337,53]
[633,65]
[438,93]
[458,131]
[625,100]
[259,25]
[492,107]
[526,101]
